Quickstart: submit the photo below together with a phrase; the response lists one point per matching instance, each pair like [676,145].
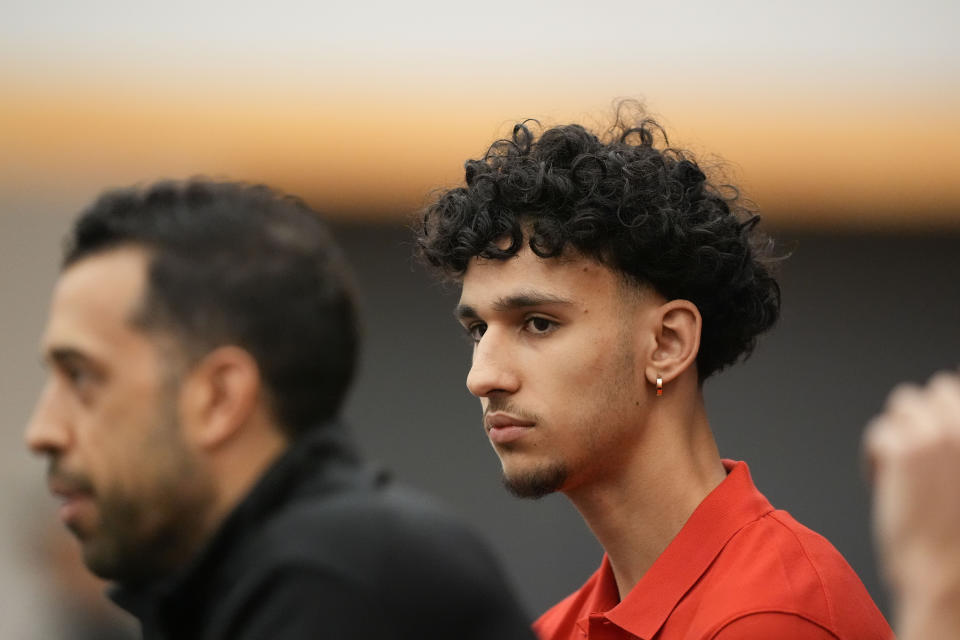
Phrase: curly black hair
[631,202]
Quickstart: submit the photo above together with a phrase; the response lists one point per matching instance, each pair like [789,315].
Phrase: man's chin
[128,566]
[99,561]
[535,483]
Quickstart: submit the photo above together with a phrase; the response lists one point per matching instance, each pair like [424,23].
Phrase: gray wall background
[861,313]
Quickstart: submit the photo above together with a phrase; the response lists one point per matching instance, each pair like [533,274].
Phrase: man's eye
[76,375]
[537,324]
[476,331]
[79,377]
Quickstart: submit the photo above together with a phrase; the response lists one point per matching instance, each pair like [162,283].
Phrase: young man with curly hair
[603,280]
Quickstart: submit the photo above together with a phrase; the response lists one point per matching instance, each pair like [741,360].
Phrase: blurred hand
[913,448]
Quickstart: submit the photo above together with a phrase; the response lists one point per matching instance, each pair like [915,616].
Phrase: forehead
[571,277]
[93,302]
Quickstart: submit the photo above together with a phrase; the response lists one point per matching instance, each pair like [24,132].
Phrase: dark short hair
[232,263]
[626,199]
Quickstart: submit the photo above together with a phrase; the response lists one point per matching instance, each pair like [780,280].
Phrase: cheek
[604,374]
[593,362]
[571,388]
[118,441]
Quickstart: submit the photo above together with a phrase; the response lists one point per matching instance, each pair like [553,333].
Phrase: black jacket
[326,548]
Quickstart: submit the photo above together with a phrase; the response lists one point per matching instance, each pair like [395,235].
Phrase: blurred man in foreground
[914,451]
[603,280]
[200,342]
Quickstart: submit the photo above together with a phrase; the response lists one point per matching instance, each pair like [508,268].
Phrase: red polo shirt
[739,569]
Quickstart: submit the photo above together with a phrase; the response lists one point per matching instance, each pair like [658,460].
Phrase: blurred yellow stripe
[371,152]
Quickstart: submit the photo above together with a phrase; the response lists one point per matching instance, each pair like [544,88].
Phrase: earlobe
[677,335]
[219,396]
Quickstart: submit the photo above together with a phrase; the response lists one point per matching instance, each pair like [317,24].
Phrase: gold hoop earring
[659,386]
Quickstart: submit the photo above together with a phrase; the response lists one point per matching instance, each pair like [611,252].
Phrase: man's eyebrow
[511,303]
[465,312]
[60,356]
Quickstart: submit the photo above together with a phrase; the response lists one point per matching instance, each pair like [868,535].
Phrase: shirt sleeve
[772,624]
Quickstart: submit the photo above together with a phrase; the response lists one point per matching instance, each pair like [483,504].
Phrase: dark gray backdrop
[860,314]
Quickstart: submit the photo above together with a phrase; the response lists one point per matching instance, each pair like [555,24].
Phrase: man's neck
[639,508]
[239,465]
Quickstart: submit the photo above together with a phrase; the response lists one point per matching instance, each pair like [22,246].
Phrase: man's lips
[64,494]
[67,485]
[503,427]
[72,506]
[73,497]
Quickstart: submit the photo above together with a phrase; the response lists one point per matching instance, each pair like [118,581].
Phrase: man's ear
[219,396]
[677,326]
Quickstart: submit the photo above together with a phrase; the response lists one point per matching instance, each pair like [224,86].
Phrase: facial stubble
[536,483]
[149,534]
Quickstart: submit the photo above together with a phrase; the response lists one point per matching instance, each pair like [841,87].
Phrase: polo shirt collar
[732,505]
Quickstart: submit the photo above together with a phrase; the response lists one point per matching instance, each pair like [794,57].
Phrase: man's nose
[493,368]
[48,430]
